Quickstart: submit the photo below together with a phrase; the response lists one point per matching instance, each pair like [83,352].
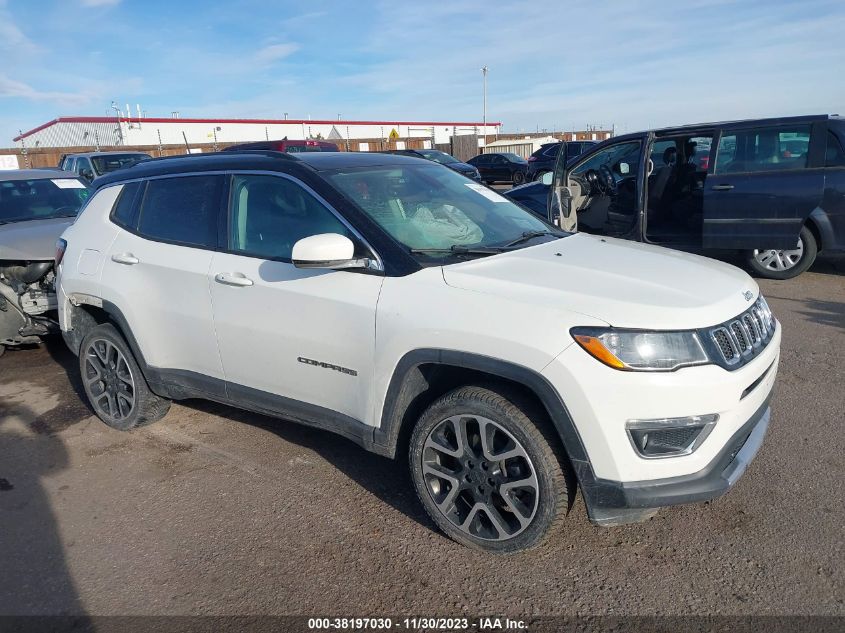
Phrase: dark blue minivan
[771,188]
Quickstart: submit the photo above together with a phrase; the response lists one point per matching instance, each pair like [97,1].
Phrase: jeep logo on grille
[748,295]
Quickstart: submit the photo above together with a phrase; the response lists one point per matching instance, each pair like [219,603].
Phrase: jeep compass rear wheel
[113,381]
[486,471]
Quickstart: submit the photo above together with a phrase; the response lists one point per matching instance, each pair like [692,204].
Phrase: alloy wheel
[480,477]
[109,380]
[780,260]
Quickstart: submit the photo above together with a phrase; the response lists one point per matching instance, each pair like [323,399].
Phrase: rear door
[765,183]
[156,272]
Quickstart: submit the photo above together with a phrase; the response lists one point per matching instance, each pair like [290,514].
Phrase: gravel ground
[217,511]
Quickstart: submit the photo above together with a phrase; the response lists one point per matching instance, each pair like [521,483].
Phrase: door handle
[722,187]
[125,258]
[233,279]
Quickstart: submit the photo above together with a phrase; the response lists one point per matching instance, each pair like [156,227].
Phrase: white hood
[626,284]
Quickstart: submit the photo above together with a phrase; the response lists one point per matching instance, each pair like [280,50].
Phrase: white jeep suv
[421,314]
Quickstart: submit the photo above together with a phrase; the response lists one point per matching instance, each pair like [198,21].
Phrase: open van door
[559,207]
[764,185]
[599,191]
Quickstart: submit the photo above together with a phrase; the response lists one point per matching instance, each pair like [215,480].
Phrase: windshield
[438,157]
[22,200]
[113,162]
[425,207]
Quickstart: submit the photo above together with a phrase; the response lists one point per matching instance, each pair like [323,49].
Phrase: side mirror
[547,178]
[624,168]
[327,250]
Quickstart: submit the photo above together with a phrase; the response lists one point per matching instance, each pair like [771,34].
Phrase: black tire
[113,382]
[529,430]
[770,269]
[518,178]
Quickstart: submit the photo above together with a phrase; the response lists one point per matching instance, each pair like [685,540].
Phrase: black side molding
[402,389]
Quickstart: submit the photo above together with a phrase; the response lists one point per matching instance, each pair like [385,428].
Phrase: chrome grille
[745,336]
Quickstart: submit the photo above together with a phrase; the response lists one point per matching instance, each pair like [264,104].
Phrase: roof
[111,119]
[809,118]
[262,160]
[35,174]
[95,154]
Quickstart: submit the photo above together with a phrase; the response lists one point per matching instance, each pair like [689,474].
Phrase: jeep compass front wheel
[488,470]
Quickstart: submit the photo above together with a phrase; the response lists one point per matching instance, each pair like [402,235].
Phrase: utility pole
[484,73]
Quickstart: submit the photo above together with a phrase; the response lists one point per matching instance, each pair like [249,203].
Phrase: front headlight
[638,350]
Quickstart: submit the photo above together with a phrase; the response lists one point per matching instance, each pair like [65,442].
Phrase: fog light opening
[669,437]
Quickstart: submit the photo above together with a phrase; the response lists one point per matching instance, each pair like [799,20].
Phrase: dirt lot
[216,511]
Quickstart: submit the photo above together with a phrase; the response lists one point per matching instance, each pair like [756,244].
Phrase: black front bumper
[614,503]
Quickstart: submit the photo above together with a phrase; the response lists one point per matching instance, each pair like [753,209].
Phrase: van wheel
[488,470]
[113,382]
[786,263]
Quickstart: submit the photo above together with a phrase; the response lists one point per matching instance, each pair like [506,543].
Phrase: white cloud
[12,89]
[275,52]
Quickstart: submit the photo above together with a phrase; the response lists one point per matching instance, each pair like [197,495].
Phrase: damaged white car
[36,206]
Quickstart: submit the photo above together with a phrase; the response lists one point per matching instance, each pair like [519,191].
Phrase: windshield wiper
[530,235]
[460,249]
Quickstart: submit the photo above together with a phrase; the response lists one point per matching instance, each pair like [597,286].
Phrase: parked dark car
[543,160]
[534,196]
[284,145]
[443,158]
[500,167]
[90,165]
[773,189]
[36,206]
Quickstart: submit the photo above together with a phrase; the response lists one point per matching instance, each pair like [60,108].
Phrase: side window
[270,214]
[121,213]
[663,156]
[552,150]
[834,154]
[182,210]
[499,159]
[69,164]
[622,160]
[765,149]
[82,164]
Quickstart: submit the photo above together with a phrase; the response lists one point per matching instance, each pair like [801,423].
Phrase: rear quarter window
[834,155]
[124,207]
[182,210]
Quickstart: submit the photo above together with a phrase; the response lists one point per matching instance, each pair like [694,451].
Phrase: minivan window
[122,211]
[765,149]
[834,153]
[270,214]
[182,210]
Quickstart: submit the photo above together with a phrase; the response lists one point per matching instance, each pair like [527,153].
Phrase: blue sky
[634,64]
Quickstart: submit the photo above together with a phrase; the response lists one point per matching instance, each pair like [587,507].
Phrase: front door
[764,185]
[291,340]
[600,193]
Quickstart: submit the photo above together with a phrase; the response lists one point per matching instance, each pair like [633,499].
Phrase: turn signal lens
[597,350]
